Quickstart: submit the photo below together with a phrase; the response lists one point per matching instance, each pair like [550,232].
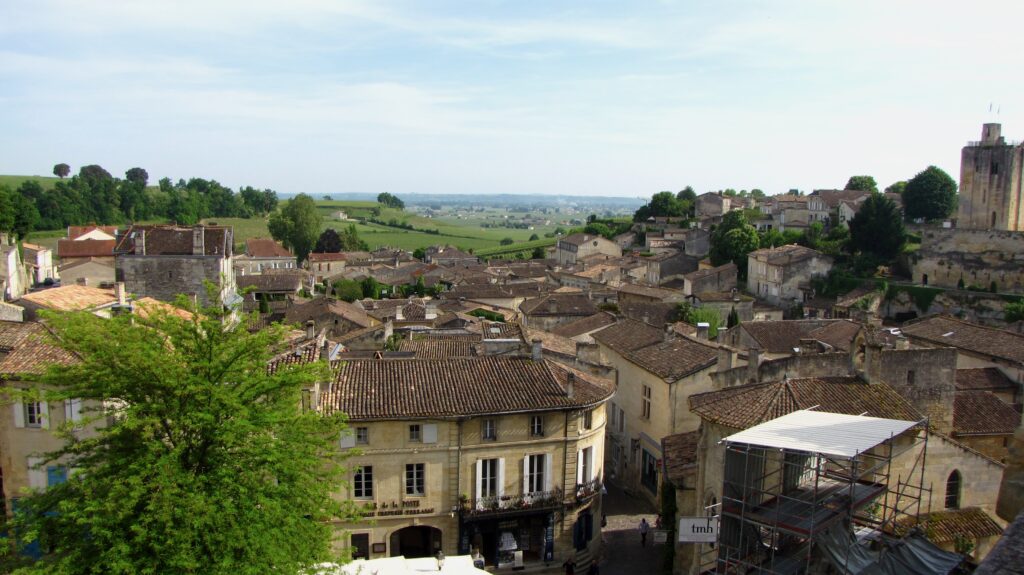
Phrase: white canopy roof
[454,565]
[822,432]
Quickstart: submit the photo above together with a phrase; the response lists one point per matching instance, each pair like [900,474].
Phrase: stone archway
[415,541]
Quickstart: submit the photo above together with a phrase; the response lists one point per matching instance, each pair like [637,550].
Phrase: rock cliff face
[977,307]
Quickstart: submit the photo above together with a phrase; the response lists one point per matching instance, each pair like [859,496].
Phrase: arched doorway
[418,541]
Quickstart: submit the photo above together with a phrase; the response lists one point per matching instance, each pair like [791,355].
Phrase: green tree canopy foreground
[931,195]
[203,461]
[862,183]
[877,228]
[732,240]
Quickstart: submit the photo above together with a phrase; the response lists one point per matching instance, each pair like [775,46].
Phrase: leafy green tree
[6,210]
[259,202]
[390,201]
[662,204]
[559,231]
[419,253]
[534,237]
[297,225]
[706,315]
[371,287]
[687,194]
[538,253]
[877,228]
[1014,312]
[202,461]
[732,240]
[348,290]
[757,193]
[600,229]
[897,188]
[861,183]
[26,216]
[328,243]
[61,170]
[507,241]
[931,195]
[137,176]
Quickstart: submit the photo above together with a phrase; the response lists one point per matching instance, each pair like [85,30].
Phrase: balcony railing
[586,491]
[511,503]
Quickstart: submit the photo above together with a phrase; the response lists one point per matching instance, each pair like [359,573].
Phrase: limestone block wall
[976,256]
[164,277]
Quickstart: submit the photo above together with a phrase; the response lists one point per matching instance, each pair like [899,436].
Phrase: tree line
[95,196]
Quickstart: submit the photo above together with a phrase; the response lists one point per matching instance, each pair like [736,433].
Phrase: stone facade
[165,277]
[991,175]
[575,247]
[782,275]
[978,257]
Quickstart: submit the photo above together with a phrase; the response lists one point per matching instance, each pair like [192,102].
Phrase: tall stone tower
[991,175]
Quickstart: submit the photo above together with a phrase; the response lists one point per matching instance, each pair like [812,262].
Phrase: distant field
[463,232]
[13,182]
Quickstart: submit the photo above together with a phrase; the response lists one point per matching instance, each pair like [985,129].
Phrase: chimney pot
[703,328]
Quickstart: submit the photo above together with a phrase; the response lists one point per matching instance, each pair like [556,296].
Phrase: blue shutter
[56,474]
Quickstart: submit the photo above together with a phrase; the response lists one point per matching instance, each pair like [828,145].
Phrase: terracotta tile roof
[984,378]
[265,248]
[172,240]
[782,336]
[719,296]
[358,333]
[85,248]
[584,325]
[680,455]
[559,304]
[75,231]
[552,343]
[13,333]
[106,262]
[495,291]
[832,198]
[653,312]
[851,297]
[580,239]
[700,274]
[327,257]
[71,298]
[323,306]
[661,294]
[627,335]
[744,406]
[982,413]
[498,330]
[459,387]
[948,331]
[675,358]
[34,353]
[438,348]
[785,255]
[945,526]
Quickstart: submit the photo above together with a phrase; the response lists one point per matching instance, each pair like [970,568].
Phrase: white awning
[822,432]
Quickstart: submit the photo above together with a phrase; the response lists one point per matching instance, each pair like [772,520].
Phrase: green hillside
[13,182]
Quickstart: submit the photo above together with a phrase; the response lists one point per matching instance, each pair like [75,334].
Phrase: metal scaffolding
[790,480]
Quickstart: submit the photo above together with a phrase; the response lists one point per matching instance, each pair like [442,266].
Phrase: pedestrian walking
[644,528]
[570,566]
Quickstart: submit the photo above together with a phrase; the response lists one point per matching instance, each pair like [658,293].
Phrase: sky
[581,98]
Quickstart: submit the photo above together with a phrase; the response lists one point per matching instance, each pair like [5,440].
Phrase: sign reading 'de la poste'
[698,529]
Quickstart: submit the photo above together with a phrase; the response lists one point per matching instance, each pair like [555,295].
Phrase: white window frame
[585,465]
[646,402]
[415,433]
[536,426]
[362,483]
[489,429]
[490,477]
[415,479]
[536,473]
[72,410]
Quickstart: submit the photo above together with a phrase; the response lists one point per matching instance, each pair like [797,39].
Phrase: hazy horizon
[579,98]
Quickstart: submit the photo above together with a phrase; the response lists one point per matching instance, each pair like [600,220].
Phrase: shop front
[511,531]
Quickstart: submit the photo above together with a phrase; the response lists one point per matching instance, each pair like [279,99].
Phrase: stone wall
[808,365]
[979,257]
[925,377]
[164,277]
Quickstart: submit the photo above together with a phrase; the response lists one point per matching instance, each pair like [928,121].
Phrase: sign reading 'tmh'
[698,529]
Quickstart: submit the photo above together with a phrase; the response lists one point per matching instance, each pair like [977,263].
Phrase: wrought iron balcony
[511,504]
[588,490]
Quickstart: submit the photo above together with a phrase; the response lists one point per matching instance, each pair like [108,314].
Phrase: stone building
[497,455]
[657,371]
[336,316]
[263,254]
[991,176]
[14,280]
[717,279]
[713,204]
[574,247]
[164,261]
[39,263]
[552,310]
[782,275]
[977,257]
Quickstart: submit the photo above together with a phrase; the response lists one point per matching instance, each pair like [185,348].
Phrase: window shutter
[547,471]
[430,433]
[579,467]
[44,408]
[348,439]
[501,476]
[19,414]
[76,409]
[479,478]
[526,475]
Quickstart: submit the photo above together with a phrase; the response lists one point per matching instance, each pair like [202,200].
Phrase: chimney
[82,281]
[325,351]
[536,349]
[140,242]
[724,358]
[753,362]
[570,384]
[808,345]
[122,298]
[310,329]
[702,330]
[668,332]
[198,241]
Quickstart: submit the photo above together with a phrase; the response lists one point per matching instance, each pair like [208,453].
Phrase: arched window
[953,490]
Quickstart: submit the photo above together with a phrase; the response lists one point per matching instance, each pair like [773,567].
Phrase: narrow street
[622,553]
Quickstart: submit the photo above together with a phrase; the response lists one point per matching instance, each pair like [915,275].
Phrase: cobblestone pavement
[622,554]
